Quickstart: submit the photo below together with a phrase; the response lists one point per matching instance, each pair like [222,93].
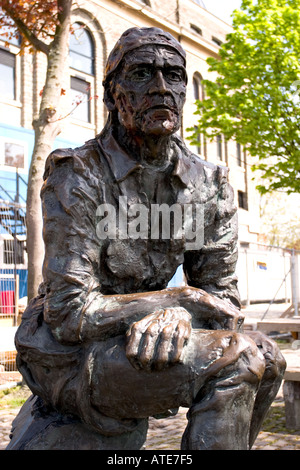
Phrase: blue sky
[222,8]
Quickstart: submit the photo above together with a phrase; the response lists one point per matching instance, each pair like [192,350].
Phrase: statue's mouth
[162,107]
[161,111]
[159,117]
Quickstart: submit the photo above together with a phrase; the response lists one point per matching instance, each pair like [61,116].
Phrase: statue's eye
[174,75]
[140,74]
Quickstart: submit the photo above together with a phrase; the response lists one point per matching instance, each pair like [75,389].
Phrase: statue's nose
[158,84]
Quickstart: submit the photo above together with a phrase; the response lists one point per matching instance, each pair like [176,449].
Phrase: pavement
[165,434]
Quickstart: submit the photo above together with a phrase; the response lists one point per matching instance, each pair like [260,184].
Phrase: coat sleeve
[72,249]
[212,268]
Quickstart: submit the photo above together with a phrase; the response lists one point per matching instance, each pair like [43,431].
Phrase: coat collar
[122,164]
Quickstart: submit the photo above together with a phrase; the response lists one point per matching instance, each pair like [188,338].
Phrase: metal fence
[8,368]
[13,284]
[13,262]
[9,374]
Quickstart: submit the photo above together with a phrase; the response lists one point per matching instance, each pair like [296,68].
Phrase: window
[198,87]
[219,147]
[239,154]
[7,74]
[245,245]
[216,41]
[198,140]
[8,51]
[81,50]
[80,96]
[198,93]
[245,158]
[13,154]
[242,200]
[196,29]
[82,83]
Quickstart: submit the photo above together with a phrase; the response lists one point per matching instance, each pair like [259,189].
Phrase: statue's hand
[210,312]
[157,340]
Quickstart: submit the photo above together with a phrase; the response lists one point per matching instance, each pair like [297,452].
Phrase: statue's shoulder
[199,170]
[209,181]
[79,158]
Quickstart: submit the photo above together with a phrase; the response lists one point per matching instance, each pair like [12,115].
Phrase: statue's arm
[212,269]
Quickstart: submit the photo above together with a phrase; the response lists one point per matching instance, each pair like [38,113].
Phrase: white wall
[261,273]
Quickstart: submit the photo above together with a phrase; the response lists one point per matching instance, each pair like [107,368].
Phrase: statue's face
[150,91]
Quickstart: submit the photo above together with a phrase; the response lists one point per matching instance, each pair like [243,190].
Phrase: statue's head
[145,82]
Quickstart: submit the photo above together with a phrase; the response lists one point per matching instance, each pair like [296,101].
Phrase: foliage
[34,20]
[279,217]
[254,99]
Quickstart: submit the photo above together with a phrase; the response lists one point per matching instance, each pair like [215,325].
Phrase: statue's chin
[159,122]
[164,129]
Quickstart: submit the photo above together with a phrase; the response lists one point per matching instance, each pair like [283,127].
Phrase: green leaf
[254,99]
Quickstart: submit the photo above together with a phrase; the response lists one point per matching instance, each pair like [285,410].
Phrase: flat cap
[134,38]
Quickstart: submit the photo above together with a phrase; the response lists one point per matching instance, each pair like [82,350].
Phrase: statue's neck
[152,150]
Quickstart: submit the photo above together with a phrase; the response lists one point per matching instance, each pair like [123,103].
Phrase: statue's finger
[148,345]
[180,338]
[132,346]
[164,345]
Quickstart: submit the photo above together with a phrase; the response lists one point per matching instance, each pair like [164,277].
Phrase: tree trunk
[46,128]
[44,139]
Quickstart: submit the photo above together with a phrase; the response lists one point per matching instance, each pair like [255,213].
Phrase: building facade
[97,26]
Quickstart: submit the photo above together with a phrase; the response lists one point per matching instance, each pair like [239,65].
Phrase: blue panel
[8,178]
[8,284]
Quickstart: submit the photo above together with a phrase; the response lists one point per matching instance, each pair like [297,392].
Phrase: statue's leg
[220,371]
[218,379]
[270,384]
[38,427]
[59,415]
[221,414]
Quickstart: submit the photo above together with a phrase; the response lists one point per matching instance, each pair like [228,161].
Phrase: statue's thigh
[119,390]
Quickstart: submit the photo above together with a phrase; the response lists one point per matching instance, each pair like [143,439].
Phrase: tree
[279,218]
[44,26]
[254,99]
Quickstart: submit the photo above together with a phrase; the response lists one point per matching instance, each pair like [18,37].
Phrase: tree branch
[25,31]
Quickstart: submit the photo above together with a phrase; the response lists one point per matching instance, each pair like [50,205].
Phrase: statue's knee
[232,355]
[251,360]
[275,362]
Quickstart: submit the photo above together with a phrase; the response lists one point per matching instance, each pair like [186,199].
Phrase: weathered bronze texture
[107,344]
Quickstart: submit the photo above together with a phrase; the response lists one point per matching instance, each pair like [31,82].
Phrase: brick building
[22,79]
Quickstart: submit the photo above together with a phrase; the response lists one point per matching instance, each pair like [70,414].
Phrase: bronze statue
[106,344]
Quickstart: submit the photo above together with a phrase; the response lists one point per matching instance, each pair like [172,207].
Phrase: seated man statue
[106,344]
